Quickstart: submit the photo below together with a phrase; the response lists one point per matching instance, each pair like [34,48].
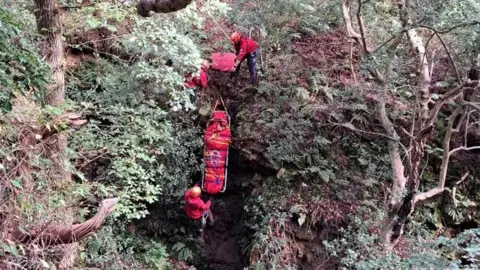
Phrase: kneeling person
[200,80]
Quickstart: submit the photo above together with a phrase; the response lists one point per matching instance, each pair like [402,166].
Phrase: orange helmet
[235,37]
[196,191]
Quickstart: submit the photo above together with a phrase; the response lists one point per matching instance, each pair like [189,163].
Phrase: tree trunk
[49,26]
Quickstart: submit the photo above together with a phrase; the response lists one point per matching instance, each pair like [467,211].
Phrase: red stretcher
[217,139]
[223,61]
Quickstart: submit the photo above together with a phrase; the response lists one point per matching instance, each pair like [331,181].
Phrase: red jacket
[245,46]
[195,206]
[200,80]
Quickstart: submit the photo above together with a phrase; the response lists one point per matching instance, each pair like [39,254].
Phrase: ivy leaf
[16,184]
[362,161]
[5,247]
[324,175]
[14,250]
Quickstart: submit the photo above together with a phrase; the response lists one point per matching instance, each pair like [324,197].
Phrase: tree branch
[361,24]
[345,7]
[445,31]
[454,188]
[450,95]
[427,195]
[454,65]
[463,148]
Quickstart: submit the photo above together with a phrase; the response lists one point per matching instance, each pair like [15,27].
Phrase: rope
[219,26]
[223,104]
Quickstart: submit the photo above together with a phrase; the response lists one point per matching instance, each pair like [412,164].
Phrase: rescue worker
[200,80]
[195,207]
[244,48]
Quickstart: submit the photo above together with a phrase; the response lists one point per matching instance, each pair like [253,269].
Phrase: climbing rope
[223,104]
[219,26]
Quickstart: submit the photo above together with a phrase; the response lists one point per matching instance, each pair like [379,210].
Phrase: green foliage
[158,42]
[21,69]
[286,128]
[101,15]
[140,156]
[182,251]
[155,256]
[463,251]
[358,247]
[280,20]
[115,248]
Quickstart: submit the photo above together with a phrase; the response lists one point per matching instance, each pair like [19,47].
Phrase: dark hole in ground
[222,246]
[222,241]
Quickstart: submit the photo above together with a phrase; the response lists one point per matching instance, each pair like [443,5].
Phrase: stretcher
[217,139]
[223,62]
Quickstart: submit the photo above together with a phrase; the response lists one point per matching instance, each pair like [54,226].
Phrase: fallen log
[59,235]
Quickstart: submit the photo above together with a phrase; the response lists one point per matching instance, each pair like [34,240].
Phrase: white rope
[219,26]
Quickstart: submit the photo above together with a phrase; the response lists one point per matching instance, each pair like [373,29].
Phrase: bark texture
[50,28]
[59,235]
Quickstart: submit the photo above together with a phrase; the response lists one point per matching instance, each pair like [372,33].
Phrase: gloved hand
[235,66]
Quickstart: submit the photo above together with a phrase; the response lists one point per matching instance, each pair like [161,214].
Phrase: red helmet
[235,37]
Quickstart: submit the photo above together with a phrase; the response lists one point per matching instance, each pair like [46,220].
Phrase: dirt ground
[221,239]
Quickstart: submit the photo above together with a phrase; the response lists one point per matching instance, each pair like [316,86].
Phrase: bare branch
[454,65]
[361,24]
[351,65]
[446,148]
[427,195]
[463,148]
[470,104]
[445,31]
[345,6]
[450,95]
[454,188]
[387,41]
